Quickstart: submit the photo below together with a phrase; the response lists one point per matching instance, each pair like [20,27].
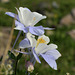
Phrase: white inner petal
[36,18]
[46,38]
[42,48]
[31,39]
[29,18]
[20,16]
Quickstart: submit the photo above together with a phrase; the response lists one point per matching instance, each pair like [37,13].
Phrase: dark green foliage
[1,58]
[11,55]
[19,56]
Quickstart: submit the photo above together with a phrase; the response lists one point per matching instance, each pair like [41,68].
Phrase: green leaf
[1,58]
[19,56]
[11,55]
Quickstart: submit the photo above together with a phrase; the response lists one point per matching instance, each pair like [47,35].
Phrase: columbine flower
[26,21]
[40,48]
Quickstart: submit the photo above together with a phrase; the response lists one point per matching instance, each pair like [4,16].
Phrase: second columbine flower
[40,48]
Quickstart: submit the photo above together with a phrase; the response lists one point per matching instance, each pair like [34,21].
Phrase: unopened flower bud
[11,72]
[29,66]
[9,67]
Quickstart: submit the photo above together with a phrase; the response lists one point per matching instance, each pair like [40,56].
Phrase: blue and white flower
[40,48]
[26,21]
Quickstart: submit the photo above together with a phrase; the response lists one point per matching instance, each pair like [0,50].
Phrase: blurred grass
[66,45]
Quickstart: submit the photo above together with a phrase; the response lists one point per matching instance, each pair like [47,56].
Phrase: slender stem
[16,40]
[16,66]
[8,45]
[34,62]
[16,63]
[28,73]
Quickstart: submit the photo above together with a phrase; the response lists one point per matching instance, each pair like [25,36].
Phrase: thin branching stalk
[23,52]
[28,73]
[9,43]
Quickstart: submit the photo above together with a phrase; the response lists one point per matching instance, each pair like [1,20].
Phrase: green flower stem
[16,66]
[28,73]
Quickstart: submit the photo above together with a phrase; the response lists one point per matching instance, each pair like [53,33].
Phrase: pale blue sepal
[24,44]
[20,26]
[13,15]
[50,60]
[35,55]
[36,30]
[55,53]
[46,28]
[17,23]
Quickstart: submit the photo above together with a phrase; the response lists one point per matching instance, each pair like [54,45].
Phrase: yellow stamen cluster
[34,18]
[41,40]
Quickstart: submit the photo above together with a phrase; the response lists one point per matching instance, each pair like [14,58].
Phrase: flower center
[34,18]
[41,40]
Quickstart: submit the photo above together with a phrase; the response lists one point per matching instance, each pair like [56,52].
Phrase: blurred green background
[63,35]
